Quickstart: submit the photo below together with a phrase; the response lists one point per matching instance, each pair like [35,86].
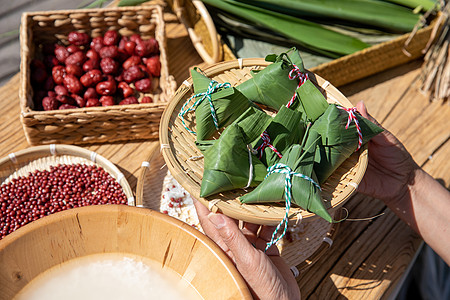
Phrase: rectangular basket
[92,124]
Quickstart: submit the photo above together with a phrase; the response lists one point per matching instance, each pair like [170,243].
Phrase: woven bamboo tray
[306,244]
[22,162]
[180,153]
[92,124]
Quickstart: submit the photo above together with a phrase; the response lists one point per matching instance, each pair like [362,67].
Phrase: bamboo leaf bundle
[216,105]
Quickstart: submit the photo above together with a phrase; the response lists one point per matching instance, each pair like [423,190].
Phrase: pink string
[266,143]
[352,117]
[302,77]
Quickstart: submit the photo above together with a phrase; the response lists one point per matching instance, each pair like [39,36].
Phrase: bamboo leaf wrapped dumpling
[285,129]
[343,131]
[216,105]
[229,163]
[293,177]
[275,85]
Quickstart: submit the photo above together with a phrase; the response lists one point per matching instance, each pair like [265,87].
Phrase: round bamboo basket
[22,162]
[182,156]
[307,241]
[118,229]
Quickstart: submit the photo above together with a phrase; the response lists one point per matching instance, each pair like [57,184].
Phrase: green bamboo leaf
[305,33]
[227,164]
[425,4]
[388,16]
[228,103]
[285,129]
[304,193]
[272,86]
[338,143]
[131,2]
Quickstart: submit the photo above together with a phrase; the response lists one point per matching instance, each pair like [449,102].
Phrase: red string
[352,117]
[302,77]
[266,143]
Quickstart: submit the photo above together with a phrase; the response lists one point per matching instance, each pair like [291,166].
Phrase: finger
[362,109]
[232,237]
[266,233]
[209,228]
[253,228]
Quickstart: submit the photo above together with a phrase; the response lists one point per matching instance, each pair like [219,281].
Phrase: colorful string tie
[284,169]
[266,143]
[302,77]
[205,95]
[352,117]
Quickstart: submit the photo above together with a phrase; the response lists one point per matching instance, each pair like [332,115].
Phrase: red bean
[41,193]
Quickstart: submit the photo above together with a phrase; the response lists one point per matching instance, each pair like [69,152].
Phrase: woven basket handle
[197,40]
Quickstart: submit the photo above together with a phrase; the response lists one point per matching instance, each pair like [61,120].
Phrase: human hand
[266,274]
[391,168]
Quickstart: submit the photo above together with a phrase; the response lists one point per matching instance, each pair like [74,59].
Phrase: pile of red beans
[102,71]
[41,193]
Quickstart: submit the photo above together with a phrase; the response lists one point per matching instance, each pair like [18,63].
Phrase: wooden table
[368,259]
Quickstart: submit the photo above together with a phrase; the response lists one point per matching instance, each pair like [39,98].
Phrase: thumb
[237,243]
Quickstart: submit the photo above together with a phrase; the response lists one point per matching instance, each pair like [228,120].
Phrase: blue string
[205,95]
[284,169]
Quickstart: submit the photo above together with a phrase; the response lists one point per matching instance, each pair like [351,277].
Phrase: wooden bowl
[78,232]
[185,162]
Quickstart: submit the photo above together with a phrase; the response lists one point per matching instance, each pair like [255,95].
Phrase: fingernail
[217,220]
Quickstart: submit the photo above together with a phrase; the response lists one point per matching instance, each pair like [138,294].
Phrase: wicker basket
[21,163]
[92,124]
[180,153]
[307,241]
[201,29]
